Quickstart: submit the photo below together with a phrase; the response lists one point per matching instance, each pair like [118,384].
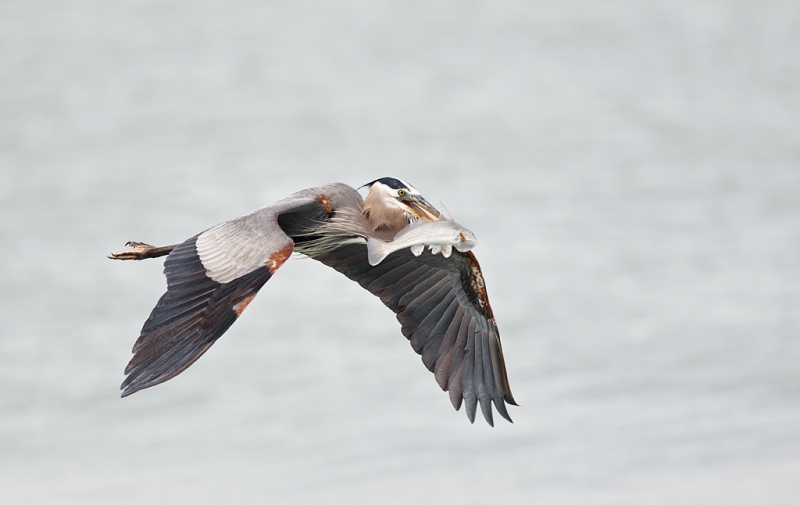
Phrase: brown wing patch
[472,279]
[239,307]
[279,258]
[324,201]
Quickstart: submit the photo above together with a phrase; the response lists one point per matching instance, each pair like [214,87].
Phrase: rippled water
[631,170]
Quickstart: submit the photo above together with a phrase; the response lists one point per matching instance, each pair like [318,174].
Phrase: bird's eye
[401,192]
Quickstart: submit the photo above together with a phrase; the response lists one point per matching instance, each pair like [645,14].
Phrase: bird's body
[439,300]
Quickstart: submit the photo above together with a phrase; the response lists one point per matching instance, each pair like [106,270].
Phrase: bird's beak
[422,209]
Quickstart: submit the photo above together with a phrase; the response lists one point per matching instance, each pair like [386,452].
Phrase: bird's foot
[141,251]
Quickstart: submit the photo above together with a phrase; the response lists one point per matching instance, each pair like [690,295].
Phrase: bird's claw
[140,251]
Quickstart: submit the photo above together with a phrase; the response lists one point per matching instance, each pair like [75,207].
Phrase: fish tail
[376,250]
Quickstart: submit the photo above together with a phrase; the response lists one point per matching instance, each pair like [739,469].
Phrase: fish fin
[445,213]
[435,249]
[416,250]
[447,250]
[376,250]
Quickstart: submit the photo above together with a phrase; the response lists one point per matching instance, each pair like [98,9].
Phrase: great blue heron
[440,299]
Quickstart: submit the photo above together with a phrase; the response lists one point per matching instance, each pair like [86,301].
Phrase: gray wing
[442,306]
[211,278]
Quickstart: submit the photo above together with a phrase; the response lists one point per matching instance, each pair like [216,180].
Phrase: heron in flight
[438,295]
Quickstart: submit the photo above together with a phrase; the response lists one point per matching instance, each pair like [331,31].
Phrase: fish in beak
[421,208]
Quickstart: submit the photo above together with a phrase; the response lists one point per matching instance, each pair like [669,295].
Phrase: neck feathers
[383,218]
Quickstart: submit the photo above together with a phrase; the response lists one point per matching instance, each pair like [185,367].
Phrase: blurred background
[632,172]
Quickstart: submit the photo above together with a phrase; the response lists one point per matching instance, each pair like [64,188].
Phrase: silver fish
[440,235]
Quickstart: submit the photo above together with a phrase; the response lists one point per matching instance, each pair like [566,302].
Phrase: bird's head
[390,199]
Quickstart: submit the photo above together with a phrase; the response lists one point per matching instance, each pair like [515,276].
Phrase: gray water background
[632,172]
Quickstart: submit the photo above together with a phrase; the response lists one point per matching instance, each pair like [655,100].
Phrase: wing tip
[500,405]
[129,385]
[486,410]
[128,390]
[509,399]
[134,383]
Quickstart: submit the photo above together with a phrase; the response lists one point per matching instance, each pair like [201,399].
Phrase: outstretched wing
[442,306]
[211,278]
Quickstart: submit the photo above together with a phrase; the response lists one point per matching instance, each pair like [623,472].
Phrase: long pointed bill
[422,209]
